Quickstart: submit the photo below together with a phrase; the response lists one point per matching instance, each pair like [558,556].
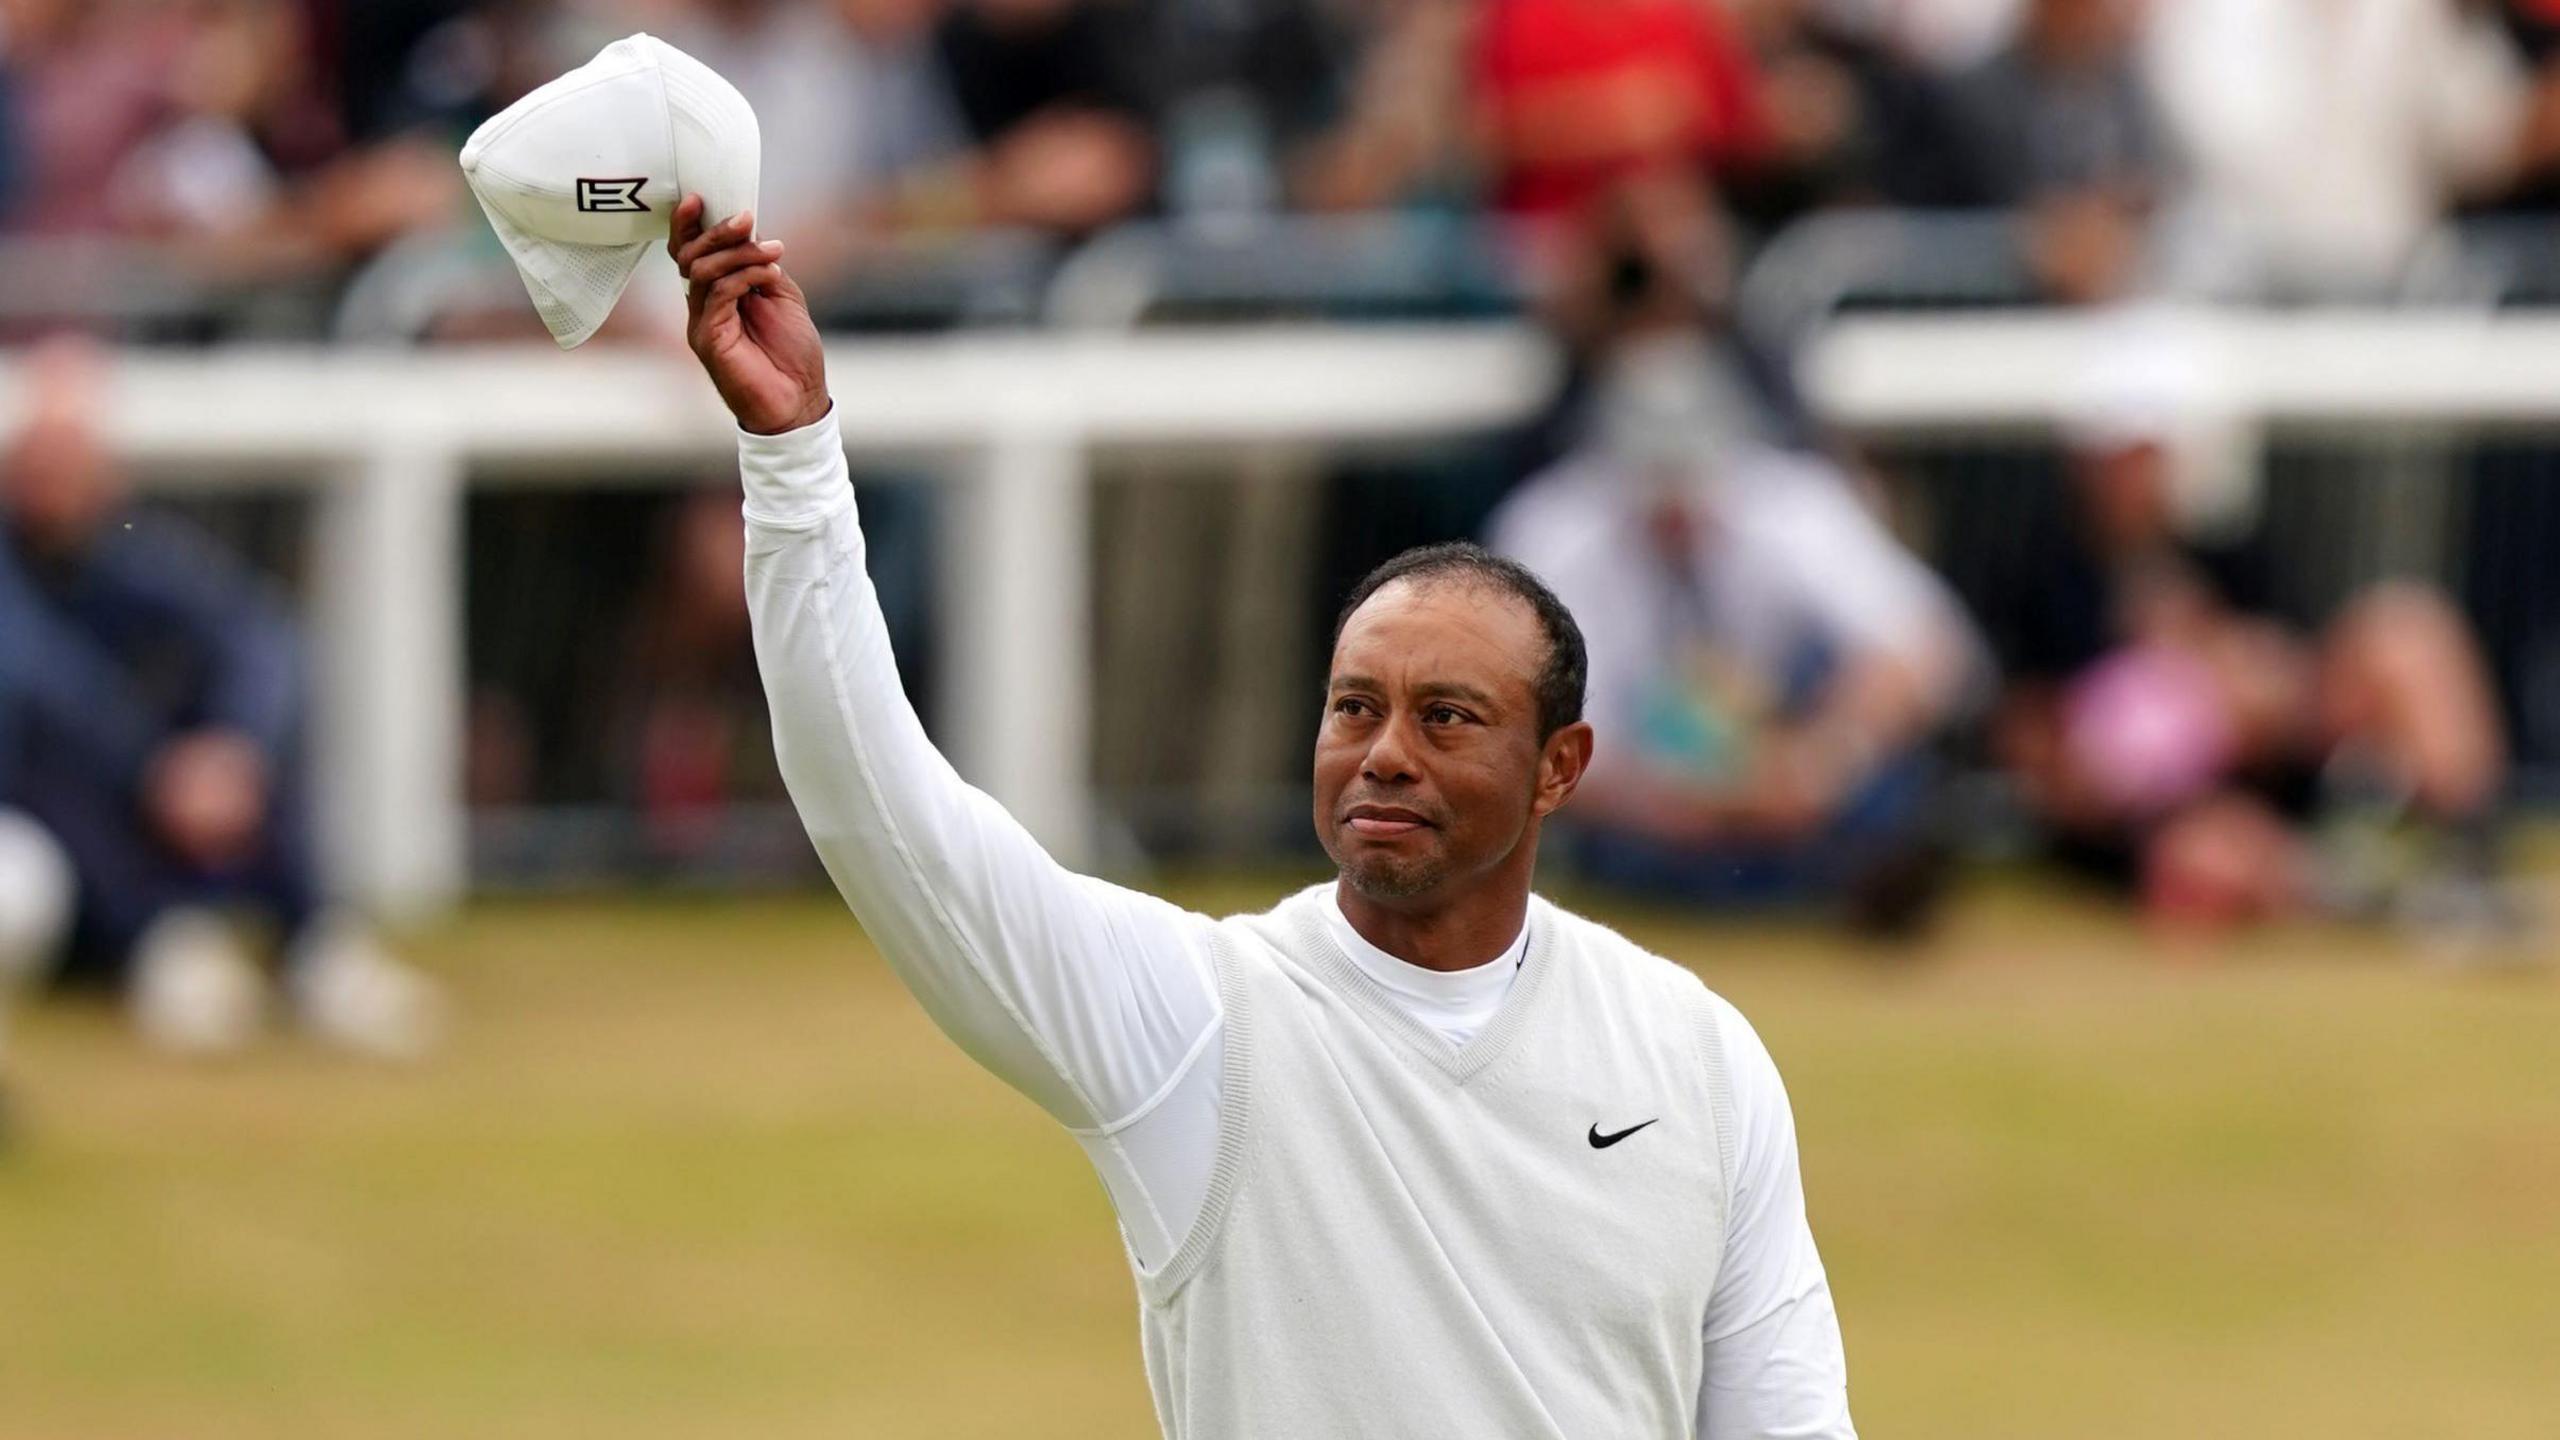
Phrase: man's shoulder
[1726,1037]
[1603,952]
[150,549]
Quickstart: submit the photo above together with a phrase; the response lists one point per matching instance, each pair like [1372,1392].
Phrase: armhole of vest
[1235,1114]
[1719,1091]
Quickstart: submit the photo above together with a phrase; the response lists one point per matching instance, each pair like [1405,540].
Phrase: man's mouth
[1384,820]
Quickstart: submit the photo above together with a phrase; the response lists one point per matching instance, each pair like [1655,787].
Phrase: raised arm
[1088,998]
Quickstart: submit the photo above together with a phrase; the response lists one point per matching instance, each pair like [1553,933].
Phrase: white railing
[390,443]
[2330,367]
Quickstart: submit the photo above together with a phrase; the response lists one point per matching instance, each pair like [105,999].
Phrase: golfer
[1416,1154]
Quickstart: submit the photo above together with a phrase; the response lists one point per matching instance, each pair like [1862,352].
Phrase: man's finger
[731,231]
[709,268]
[733,287]
[785,288]
[684,225]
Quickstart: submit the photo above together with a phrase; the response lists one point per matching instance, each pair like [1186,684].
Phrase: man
[1768,664]
[1415,1153]
[150,727]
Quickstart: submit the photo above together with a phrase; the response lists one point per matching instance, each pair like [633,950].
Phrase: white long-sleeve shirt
[1100,1004]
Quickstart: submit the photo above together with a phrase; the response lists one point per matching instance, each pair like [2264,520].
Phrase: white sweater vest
[1404,1241]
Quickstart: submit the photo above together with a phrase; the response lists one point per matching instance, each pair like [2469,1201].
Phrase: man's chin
[1389,880]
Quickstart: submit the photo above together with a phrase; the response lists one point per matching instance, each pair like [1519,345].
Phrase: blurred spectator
[2059,126]
[1057,115]
[368,52]
[1855,121]
[2534,27]
[2323,140]
[1237,87]
[92,86]
[12,160]
[152,702]
[1768,665]
[1940,37]
[1399,133]
[687,723]
[2178,736]
[1577,95]
[439,67]
[202,121]
[1647,253]
[850,92]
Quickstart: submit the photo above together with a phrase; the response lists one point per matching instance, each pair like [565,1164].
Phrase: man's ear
[1561,765]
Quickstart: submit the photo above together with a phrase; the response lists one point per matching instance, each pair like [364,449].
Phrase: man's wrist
[808,415]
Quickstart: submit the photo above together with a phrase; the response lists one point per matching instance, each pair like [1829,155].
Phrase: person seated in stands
[2059,126]
[1575,97]
[1055,116]
[2174,734]
[1768,664]
[202,126]
[151,726]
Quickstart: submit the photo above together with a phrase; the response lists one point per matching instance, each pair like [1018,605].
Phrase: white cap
[582,176]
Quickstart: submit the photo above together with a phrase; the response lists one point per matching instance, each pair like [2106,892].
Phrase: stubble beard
[1386,878]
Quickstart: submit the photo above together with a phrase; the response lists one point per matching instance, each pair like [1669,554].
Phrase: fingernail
[771,247]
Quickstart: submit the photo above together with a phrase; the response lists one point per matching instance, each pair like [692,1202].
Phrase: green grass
[699,1169]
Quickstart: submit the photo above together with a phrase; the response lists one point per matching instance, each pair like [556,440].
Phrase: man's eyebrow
[1430,689]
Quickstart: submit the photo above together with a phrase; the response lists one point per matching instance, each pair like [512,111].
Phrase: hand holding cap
[581,176]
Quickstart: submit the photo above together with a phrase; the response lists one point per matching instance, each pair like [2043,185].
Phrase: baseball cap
[581,176]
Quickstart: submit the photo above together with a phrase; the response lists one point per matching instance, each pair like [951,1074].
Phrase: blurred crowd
[1788,693]
[2284,149]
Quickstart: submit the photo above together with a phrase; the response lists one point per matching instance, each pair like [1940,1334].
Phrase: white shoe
[36,891]
[351,992]
[195,991]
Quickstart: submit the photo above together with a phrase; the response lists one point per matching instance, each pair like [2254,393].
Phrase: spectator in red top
[1576,94]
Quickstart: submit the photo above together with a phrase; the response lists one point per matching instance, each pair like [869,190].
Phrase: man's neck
[1456,936]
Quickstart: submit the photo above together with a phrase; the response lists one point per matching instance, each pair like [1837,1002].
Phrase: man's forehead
[1443,622]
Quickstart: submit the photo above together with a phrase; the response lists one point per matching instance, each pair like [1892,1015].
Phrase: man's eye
[1444,715]
[1347,705]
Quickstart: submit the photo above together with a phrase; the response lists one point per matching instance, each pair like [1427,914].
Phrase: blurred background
[2062,496]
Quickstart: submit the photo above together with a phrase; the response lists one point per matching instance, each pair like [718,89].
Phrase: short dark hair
[1567,667]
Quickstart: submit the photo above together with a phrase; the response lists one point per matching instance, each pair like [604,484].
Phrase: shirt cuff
[795,479]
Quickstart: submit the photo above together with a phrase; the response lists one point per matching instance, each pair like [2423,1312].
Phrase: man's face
[2125,495]
[1429,766]
[56,484]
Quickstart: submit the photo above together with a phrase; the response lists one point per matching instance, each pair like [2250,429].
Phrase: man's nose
[1390,757]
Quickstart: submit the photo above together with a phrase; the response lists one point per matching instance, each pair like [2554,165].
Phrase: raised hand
[748,322]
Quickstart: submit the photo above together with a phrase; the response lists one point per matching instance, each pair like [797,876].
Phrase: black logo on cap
[612,197]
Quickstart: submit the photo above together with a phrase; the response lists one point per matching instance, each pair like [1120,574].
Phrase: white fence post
[1016,695]
[386,604]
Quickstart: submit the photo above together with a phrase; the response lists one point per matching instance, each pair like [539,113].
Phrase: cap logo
[611,197]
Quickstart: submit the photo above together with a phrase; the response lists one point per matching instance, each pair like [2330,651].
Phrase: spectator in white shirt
[2324,139]
[1768,664]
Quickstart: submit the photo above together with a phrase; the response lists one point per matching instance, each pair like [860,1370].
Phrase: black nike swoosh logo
[1603,1142]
